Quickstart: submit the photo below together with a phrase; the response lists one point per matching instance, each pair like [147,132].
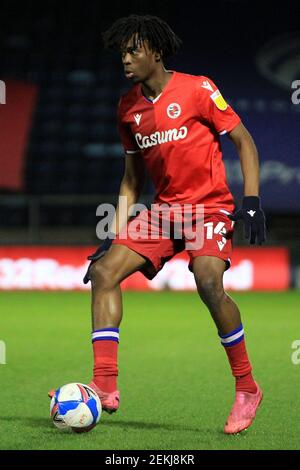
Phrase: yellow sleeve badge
[219,100]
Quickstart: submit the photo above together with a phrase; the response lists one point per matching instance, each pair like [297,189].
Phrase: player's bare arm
[251,212]
[131,187]
[248,154]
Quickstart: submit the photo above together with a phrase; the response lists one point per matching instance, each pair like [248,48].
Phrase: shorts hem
[148,271]
[226,259]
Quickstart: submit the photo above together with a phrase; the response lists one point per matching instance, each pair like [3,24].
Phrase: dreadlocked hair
[156,31]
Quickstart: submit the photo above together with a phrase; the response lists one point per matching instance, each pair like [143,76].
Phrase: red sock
[239,361]
[241,367]
[106,364]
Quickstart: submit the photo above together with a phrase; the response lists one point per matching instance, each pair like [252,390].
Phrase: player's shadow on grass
[205,434]
[149,426]
[32,422]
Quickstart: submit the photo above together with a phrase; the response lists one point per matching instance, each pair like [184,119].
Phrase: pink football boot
[109,401]
[243,411]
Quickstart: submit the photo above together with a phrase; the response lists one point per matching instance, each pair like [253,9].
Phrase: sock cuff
[232,338]
[108,334]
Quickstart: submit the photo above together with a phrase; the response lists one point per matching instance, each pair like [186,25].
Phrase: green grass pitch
[175,382]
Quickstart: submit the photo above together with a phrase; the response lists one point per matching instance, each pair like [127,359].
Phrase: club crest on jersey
[137,118]
[173,110]
[219,100]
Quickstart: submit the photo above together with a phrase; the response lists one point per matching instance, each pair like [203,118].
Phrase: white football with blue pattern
[75,406]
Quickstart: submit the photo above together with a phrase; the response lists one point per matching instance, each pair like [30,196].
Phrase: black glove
[101,250]
[254,219]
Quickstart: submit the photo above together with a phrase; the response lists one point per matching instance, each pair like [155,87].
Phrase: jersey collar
[163,91]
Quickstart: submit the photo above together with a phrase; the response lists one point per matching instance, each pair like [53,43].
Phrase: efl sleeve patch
[219,100]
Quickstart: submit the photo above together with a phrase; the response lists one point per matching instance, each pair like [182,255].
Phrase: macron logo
[251,213]
[137,118]
[207,85]
[220,245]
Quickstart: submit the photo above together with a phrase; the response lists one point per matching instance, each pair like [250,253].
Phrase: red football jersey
[177,135]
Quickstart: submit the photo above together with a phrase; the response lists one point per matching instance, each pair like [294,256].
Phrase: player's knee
[210,288]
[101,276]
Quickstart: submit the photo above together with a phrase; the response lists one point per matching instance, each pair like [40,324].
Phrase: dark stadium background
[73,159]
